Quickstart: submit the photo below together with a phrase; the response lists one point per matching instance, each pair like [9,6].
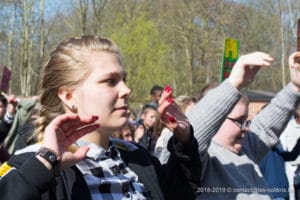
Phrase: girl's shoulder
[124,145]
[19,157]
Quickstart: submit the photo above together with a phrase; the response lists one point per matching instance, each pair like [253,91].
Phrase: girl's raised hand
[173,117]
[63,131]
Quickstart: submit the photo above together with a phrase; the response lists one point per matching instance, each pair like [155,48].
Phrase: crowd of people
[81,140]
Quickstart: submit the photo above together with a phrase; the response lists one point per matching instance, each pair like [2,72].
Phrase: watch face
[49,155]
[52,158]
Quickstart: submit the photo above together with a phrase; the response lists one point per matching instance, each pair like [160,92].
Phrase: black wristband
[51,157]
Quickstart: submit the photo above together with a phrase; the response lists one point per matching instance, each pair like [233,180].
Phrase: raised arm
[267,126]
[210,112]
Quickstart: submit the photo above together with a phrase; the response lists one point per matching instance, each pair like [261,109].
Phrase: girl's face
[150,118]
[104,92]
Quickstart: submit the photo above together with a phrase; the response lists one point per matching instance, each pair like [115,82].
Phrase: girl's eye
[111,81]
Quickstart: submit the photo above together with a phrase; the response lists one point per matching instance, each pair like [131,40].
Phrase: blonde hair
[66,67]
[184,101]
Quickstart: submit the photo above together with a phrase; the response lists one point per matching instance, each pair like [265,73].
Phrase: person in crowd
[8,108]
[273,169]
[84,99]
[149,122]
[185,103]
[230,148]
[289,139]
[126,133]
[161,151]
[25,107]
[155,93]
[24,132]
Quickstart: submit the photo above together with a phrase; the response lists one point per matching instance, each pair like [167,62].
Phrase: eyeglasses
[242,123]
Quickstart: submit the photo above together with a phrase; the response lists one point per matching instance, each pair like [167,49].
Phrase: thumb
[69,159]
[80,154]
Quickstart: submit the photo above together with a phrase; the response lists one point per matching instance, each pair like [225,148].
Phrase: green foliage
[143,53]
[162,41]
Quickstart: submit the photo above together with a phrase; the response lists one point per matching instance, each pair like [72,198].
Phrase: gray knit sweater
[227,175]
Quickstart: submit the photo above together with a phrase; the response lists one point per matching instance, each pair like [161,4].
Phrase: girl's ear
[66,96]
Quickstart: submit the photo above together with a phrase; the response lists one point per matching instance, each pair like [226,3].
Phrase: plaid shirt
[107,175]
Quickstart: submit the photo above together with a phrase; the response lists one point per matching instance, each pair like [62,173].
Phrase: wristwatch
[51,157]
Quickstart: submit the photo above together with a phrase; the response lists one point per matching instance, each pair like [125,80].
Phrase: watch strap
[51,157]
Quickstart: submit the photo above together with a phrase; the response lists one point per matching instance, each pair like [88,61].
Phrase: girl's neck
[97,138]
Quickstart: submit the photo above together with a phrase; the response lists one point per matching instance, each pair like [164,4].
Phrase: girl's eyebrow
[118,74]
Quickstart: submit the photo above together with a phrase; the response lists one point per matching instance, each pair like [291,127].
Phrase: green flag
[230,56]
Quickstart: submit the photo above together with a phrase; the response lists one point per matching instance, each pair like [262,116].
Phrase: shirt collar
[99,153]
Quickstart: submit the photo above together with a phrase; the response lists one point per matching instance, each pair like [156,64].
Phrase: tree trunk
[42,45]
[83,7]
[282,43]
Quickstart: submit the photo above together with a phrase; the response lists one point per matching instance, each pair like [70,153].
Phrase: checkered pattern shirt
[106,174]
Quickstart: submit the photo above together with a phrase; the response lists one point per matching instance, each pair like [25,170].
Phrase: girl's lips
[122,108]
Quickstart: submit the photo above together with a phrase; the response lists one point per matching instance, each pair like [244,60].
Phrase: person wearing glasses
[230,146]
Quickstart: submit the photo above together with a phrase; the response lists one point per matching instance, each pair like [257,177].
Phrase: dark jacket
[4,129]
[273,169]
[178,179]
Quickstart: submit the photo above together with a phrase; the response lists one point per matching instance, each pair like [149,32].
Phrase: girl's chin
[123,121]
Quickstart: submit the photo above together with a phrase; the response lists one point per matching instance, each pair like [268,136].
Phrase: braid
[51,107]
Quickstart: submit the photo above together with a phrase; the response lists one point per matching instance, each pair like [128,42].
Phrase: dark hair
[3,100]
[155,88]
[147,107]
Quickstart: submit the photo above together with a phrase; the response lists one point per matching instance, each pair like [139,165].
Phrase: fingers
[294,60]
[255,59]
[294,65]
[169,111]
[166,94]
[164,105]
[69,159]
[80,153]
[58,139]
[246,68]
[76,134]
[70,122]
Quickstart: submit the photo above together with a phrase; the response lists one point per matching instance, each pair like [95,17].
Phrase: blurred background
[176,42]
